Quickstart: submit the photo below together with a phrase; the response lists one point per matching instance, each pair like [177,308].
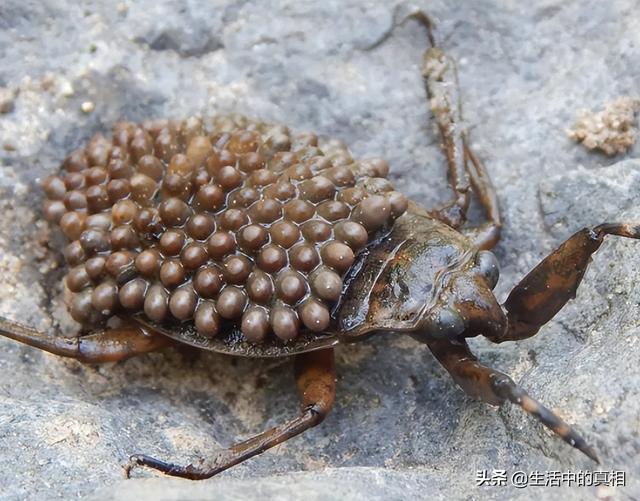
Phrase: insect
[240,237]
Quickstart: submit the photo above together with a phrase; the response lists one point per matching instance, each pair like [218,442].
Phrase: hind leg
[316,382]
[110,345]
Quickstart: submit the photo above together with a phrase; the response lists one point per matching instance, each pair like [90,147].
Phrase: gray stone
[400,429]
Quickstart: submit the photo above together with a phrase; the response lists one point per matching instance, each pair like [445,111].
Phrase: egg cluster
[237,220]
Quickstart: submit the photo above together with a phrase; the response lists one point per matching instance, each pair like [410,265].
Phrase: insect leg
[316,383]
[109,345]
[487,235]
[441,84]
[466,171]
[551,284]
[494,387]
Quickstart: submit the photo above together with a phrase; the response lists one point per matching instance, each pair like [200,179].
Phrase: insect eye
[488,266]
[447,324]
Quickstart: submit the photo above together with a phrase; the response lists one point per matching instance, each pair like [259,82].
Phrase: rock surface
[400,429]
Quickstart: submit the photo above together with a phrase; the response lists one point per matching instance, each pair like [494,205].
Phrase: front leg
[494,387]
[316,382]
[548,287]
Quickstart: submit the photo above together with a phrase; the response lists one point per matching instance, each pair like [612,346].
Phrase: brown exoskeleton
[421,274]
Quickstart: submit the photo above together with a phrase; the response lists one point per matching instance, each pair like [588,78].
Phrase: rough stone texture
[400,428]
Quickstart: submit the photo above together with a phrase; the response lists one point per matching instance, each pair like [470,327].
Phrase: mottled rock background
[400,429]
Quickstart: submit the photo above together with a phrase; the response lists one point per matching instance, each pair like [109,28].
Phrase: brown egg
[398,202]
[252,237]
[252,161]
[174,185]
[244,197]
[78,279]
[209,197]
[73,224]
[285,322]
[303,257]
[326,284]
[151,167]
[124,237]
[95,175]
[220,244]
[199,149]
[75,200]
[299,172]
[143,188]
[208,281]
[54,188]
[340,176]
[255,324]
[260,287]
[315,316]
[183,302]
[94,241]
[174,212]
[148,262]
[76,161]
[81,309]
[228,178]
[282,190]
[74,181]
[243,142]
[53,210]
[119,263]
[271,258]
[171,242]
[132,294]
[200,226]
[207,319]
[105,298]
[124,211]
[299,210]
[317,189]
[181,165]
[100,221]
[119,168]
[373,212]
[172,273]
[316,231]
[266,211]
[117,189]
[236,269]
[156,303]
[284,233]
[193,256]
[282,161]
[165,145]
[332,210]
[231,302]
[95,267]
[233,219]
[375,167]
[97,198]
[141,145]
[337,255]
[147,221]
[263,177]
[291,286]
[98,151]
[352,196]
[74,253]
[351,233]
